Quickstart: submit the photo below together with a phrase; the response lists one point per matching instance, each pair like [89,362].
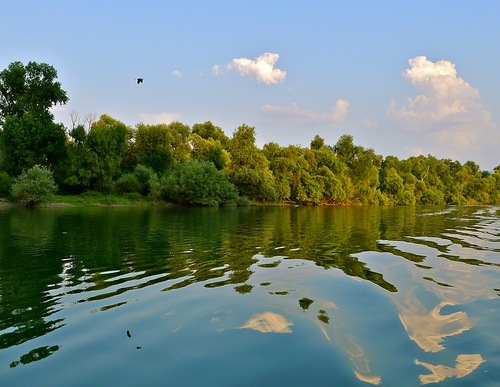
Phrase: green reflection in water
[423,259]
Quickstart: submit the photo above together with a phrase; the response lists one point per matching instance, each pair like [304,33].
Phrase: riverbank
[93,199]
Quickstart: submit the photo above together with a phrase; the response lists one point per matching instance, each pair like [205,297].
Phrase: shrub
[405,198]
[198,183]
[155,189]
[148,180]
[34,186]
[128,182]
[432,196]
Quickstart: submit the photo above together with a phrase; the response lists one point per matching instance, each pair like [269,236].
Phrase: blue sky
[404,78]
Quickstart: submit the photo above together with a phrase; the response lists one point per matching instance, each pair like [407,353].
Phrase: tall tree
[151,147]
[249,168]
[208,130]
[30,88]
[209,149]
[29,135]
[97,156]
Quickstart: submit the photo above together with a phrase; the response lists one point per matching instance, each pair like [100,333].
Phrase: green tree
[96,157]
[338,186]
[28,134]
[31,88]
[346,150]
[198,183]
[143,180]
[392,183]
[317,143]
[249,168]
[34,186]
[209,149]
[151,147]
[32,139]
[208,130]
[178,139]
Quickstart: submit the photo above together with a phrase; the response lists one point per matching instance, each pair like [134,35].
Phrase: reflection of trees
[49,257]
[454,272]
[326,236]
[25,274]
[35,355]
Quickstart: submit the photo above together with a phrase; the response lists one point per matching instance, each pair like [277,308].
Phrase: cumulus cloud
[161,118]
[447,111]
[261,68]
[293,114]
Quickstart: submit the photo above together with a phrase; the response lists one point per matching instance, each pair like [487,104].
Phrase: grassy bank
[98,199]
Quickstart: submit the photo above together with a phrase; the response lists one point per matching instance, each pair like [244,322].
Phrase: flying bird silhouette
[139,80]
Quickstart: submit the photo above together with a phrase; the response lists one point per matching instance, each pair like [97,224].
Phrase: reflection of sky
[451,281]
[422,304]
[268,322]
[430,328]
[429,304]
[464,365]
[294,276]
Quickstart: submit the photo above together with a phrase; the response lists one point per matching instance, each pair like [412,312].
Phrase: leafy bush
[147,178]
[128,182]
[432,196]
[34,186]
[134,196]
[198,183]
[405,198]
[155,188]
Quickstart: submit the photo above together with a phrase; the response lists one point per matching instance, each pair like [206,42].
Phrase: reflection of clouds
[429,329]
[372,379]
[465,364]
[465,283]
[326,314]
[349,344]
[267,322]
[358,358]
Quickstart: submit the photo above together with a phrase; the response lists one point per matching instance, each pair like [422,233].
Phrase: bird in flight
[139,80]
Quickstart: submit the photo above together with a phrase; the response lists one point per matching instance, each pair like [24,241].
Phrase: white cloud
[177,73]
[261,68]
[161,118]
[216,70]
[447,112]
[293,114]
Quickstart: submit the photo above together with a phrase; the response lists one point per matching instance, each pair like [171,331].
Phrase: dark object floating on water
[139,80]
[138,347]
[128,334]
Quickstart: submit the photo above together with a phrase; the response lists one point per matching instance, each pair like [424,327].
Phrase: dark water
[397,296]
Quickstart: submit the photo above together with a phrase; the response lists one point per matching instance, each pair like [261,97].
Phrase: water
[255,296]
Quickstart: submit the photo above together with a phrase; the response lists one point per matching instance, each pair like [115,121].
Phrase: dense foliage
[34,186]
[200,165]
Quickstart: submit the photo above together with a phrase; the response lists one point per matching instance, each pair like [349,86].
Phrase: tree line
[201,165]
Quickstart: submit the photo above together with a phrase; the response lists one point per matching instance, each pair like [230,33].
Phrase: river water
[264,296]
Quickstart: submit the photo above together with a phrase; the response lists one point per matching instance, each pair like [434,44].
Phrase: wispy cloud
[177,73]
[161,118]
[293,114]
[447,110]
[261,68]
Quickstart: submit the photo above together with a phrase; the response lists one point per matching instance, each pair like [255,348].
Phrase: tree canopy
[201,165]
[28,134]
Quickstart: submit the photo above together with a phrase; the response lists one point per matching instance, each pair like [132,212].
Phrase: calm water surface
[396,296]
